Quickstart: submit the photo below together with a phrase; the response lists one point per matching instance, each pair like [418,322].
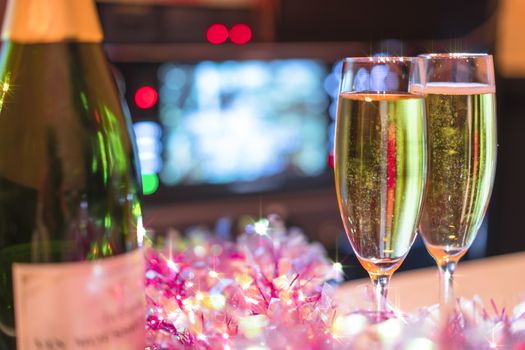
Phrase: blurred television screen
[241,126]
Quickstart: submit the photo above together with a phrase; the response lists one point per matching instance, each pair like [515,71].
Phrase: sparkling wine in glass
[380,161]
[461,120]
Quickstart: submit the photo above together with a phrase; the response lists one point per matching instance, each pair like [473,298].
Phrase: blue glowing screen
[240,121]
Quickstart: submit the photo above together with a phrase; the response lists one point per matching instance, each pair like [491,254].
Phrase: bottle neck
[46,21]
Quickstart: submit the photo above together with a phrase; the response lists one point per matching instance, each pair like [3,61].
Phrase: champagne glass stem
[381,290]
[446,295]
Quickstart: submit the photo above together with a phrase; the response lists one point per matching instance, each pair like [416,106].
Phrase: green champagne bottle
[71,268]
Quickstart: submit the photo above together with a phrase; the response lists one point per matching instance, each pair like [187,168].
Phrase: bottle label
[81,305]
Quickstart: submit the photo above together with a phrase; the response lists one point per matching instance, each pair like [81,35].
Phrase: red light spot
[330,161]
[240,34]
[217,33]
[146,97]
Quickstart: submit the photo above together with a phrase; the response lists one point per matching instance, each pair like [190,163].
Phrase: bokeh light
[150,184]
[217,33]
[146,97]
[149,144]
[240,34]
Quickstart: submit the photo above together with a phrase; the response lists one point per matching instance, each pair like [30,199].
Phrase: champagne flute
[461,120]
[380,162]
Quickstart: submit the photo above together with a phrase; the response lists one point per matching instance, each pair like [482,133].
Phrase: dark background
[139,35]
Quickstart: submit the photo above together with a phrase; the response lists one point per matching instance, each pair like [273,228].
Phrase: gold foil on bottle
[45,21]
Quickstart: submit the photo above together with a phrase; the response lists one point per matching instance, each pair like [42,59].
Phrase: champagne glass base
[375,316]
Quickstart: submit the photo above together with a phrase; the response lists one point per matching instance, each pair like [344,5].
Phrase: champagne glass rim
[453,55]
[382,59]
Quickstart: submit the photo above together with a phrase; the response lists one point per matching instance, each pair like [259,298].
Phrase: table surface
[501,278]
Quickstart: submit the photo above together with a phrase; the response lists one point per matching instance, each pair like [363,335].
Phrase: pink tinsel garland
[273,290]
